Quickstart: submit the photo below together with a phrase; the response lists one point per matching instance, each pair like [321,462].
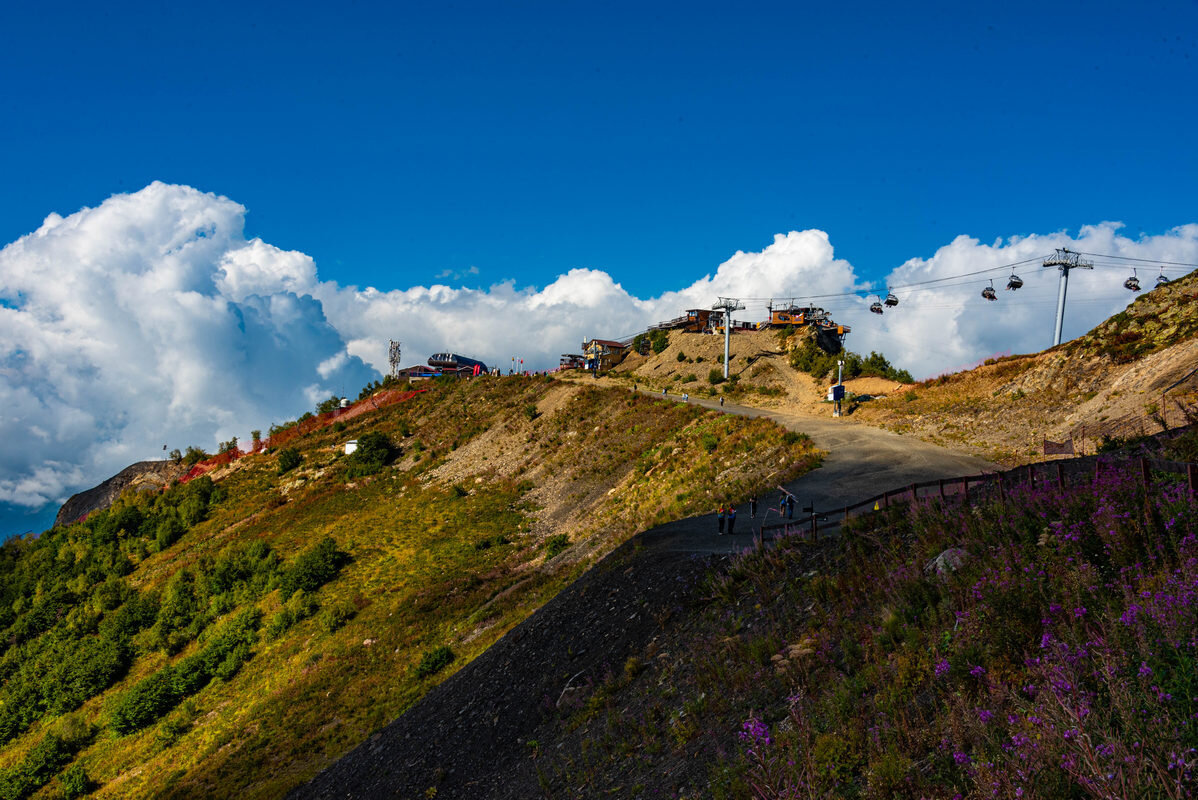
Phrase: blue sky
[394,141]
[188,191]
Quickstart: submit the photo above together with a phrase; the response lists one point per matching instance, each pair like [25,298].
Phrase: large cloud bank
[151,319]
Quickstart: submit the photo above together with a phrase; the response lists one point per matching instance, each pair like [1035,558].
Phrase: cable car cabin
[1161,280]
[875,307]
[1014,282]
[571,361]
[891,301]
[989,294]
[797,315]
[1132,283]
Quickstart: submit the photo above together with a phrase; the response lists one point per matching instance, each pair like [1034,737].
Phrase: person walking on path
[753,507]
[721,402]
[720,517]
[731,519]
[790,506]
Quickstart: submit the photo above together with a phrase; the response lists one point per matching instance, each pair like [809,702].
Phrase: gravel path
[862,461]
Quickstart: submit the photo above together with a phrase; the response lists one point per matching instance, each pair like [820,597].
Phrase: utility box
[836,393]
[351,446]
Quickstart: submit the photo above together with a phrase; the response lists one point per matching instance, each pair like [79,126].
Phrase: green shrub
[680,357]
[75,782]
[336,615]
[168,532]
[715,376]
[373,453]
[289,459]
[709,442]
[433,661]
[555,544]
[299,607]
[659,340]
[313,568]
[193,456]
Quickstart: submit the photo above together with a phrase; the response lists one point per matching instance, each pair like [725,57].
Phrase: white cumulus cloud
[151,319]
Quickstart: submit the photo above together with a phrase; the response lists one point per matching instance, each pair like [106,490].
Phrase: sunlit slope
[1124,378]
[257,626]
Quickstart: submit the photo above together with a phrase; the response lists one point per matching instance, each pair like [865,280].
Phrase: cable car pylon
[1064,259]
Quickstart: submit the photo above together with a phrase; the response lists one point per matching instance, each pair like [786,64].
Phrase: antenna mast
[728,305]
[393,353]
[1065,259]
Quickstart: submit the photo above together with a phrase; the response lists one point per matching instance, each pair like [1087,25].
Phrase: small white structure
[351,446]
[345,402]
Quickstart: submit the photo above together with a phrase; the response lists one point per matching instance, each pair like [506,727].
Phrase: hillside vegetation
[232,635]
[1038,643]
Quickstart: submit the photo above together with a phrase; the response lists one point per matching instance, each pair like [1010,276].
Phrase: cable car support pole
[728,305]
[1064,259]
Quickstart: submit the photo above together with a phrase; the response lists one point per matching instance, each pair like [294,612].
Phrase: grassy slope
[1057,661]
[435,562]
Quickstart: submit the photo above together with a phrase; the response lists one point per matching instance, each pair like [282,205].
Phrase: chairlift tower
[1065,260]
[393,354]
[727,305]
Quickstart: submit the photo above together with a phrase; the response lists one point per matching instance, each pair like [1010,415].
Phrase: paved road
[862,461]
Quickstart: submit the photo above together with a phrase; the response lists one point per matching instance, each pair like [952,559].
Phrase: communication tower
[393,354]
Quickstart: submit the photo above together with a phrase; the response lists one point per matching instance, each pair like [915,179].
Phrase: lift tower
[1065,259]
[728,305]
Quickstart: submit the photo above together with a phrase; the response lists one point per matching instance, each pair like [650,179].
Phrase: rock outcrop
[142,476]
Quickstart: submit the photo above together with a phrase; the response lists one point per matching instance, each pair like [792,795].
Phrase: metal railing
[1072,472]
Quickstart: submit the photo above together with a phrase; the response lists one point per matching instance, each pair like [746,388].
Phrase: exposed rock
[142,476]
[949,561]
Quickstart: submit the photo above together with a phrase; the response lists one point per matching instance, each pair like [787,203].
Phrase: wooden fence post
[941,482]
[914,493]
[885,499]
[1031,475]
[1060,476]
[1002,495]
[1097,467]
[1192,474]
[1145,472]
[965,486]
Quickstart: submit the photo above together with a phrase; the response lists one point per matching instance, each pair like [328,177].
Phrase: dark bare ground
[469,737]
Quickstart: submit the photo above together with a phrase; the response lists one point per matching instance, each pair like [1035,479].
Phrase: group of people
[726,514]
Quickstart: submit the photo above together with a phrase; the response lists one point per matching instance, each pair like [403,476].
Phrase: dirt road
[861,462]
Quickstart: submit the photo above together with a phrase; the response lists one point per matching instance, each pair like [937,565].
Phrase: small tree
[289,459]
[193,456]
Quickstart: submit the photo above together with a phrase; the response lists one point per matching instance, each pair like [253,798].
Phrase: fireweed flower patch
[1059,660]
